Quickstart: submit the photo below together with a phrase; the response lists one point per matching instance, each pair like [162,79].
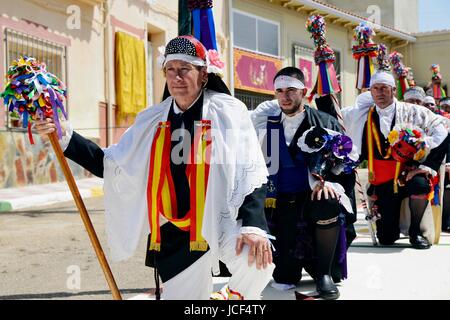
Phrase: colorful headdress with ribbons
[32,92]
[324,58]
[191,50]
[383,74]
[363,51]
[438,91]
[401,73]
[203,22]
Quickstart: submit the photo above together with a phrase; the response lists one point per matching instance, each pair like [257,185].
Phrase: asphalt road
[45,253]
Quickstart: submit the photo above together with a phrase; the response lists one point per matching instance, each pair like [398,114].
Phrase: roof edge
[353,17]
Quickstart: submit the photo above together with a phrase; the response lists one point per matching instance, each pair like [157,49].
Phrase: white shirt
[386,116]
[291,124]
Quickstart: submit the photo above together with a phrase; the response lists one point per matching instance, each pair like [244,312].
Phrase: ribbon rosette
[215,65]
[408,144]
[341,145]
[330,152]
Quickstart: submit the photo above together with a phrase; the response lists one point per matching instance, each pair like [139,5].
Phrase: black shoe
[419,242]
[326,288]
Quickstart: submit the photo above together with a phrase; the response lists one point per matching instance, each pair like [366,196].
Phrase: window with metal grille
[21,44]
[250,99]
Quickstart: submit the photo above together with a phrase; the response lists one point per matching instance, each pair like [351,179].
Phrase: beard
[292,110]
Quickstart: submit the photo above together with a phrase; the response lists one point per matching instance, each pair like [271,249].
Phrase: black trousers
[175,255]
[388,205]
[293,223]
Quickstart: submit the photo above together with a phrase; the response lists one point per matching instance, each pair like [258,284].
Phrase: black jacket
[90,156]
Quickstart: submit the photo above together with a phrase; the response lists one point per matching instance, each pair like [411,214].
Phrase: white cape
[230,180]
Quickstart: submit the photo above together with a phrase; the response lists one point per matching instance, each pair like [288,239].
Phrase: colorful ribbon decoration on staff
[203,22]
[401,73]
[364,50]
[324,58]
[32,92]
[438,91]
[161,197]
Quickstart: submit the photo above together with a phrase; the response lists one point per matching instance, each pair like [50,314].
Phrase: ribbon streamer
[324,58]
[32,92]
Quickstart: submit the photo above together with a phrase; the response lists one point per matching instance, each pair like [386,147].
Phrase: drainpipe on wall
[108,73]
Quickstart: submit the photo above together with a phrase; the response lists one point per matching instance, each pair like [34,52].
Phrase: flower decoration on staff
[383,58]
[330,152]
[410,77]
[401,73]
[408,144]
[436,78]
[33,92]
[363,51]
[324,58]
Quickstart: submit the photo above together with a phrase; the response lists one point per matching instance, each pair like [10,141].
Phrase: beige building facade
[77,40]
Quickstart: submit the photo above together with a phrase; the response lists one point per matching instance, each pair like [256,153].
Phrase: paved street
[43,250]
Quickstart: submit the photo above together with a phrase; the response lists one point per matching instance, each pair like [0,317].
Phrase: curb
[48,199]
[5,206]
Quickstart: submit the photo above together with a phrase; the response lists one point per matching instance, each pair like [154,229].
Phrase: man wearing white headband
[303,213]
[369,124]
[429,103]
[414,95]
[198,206]
[444,104]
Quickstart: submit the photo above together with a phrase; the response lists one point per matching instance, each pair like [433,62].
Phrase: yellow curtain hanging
[130,70]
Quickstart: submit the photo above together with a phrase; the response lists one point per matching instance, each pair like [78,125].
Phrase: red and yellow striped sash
[161,197]
[372,135]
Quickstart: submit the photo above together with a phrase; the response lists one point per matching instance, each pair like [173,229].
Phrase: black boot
[419,242]
[417,207]
[326,288]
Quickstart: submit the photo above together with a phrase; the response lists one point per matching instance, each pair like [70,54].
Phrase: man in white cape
[387,113]
[219,199]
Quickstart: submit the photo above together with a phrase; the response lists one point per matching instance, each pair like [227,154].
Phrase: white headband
[429,99]
[288,82]
[445,101]
[413,94]
[382,77]
[186,58]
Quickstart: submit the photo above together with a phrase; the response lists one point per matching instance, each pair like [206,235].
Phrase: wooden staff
[84,216]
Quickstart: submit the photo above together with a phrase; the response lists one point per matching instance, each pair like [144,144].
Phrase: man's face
[446,107]
[414,101]
[382,94]
[429,105]
[184,80]
[290,99]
